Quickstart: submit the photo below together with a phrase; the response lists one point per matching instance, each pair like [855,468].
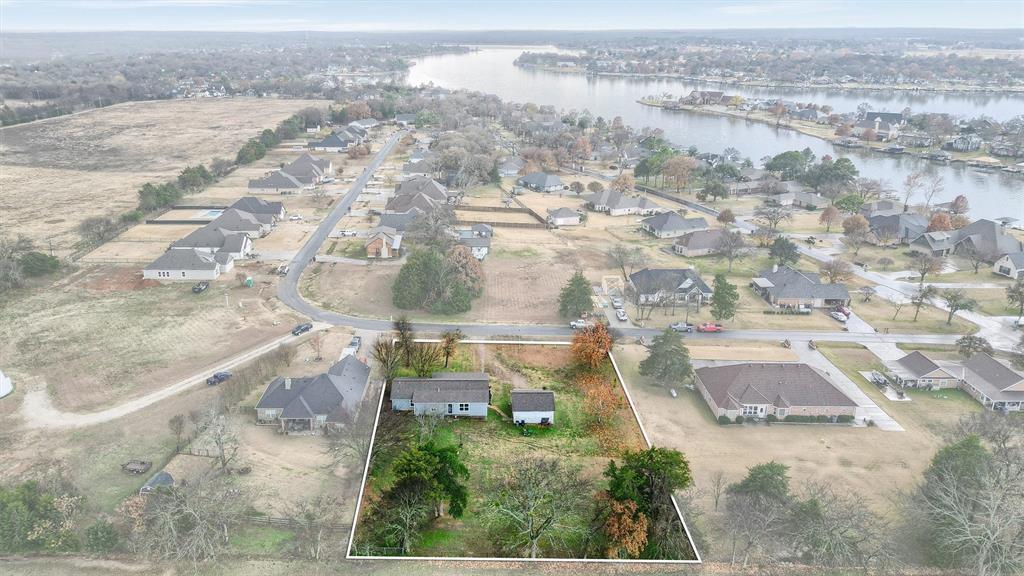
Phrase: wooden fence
[291,523]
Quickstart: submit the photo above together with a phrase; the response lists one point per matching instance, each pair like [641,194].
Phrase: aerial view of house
[917,370]
[542,182]
[672,225]
[315,403]
[445,393]
[700,243]
[669,284]
[791,288]
[759,390]
[533,406]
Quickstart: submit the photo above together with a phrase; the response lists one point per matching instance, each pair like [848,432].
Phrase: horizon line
[534,30]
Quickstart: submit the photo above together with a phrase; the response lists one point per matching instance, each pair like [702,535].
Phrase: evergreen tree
[668,360]
[724,299]
[575,298]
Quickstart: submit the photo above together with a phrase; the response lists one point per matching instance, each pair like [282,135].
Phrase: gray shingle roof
[443,387]
[992,371]
[397,220]
[563,213]
[183,259]
[209,236]
[683,280]
[541,180]
[321,395]
[533,401]
[276,179]
[670,222]
[254,205]
[781,384]
[917,364]
[616,200]
[790,283]
[702,239]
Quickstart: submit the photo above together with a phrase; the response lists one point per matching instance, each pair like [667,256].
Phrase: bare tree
[427,425]
[718,485]
[387,356]
[425,357]
[897,305]
[529,508]
[731,246]
[978,256]
[771,216]
[924,295]
[221,431]
[867,292]
[933,186]
[317,342]
[836,270]
[926,265]
[911,186]
[313,519]
[177,425]
[625,258]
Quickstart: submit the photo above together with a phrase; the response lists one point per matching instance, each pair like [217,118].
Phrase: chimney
[775,268]
[287,383]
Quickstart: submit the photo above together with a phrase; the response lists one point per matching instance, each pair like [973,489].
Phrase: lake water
[491,70]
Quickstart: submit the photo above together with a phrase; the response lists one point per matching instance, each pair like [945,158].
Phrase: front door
[449,408]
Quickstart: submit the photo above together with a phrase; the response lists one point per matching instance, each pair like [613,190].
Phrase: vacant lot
[872,462]
[103,334]
[523,275]
[60,171]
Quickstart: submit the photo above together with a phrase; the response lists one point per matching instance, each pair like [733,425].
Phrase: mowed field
[59,171]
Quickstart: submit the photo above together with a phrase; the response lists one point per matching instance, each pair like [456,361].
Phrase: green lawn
[260,540]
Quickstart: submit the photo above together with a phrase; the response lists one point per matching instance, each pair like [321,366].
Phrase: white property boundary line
[636,415]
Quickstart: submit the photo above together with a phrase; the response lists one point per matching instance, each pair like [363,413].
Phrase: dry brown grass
[59,171]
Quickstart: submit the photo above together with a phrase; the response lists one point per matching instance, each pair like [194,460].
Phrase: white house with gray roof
[308,405]
[542,182]
[917,370]
[672,225]
[563,217]
[259,206]
[276,182]
[992,383]
[445,393]
[533,406]
[186,265]
[615,203]
[1010,265]
[790,288]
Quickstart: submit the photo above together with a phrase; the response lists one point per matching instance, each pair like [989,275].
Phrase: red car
[709,327]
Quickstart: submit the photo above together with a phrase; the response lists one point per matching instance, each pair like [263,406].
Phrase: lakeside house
[789,288]
[445,393]
[901,228]
[700,243]
[313,404]
[533,406]
[661,285]
[672,225]
[762,389]
[985,237]
[992,383]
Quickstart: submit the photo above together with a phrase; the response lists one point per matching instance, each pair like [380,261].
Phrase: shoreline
[822,132]
[1015,91]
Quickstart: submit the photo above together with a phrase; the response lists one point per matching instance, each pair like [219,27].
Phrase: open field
[59,171]
[872,462]
[121,336]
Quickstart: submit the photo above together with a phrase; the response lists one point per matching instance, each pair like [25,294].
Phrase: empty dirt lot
[60,171]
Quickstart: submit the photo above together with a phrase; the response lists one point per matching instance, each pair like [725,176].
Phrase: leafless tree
[836,270]
[387,356]
[753,524]
[911,186]
[933,186]
[867,292]
[897,305]
[529,508]
[221,431]
[978,256]
[625,258]
[771,216]
[427,426]
[926,265]
[317,342]
[319,193]
[313,520]
[718,485]
[424,358]
[731,246]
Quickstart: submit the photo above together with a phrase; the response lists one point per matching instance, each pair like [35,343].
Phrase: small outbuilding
[533,407]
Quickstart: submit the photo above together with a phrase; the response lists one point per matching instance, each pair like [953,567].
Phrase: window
[182,273]
[449,408]
[750,410]
[463,407]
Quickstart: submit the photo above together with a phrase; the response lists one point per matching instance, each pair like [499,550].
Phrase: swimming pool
[211,214]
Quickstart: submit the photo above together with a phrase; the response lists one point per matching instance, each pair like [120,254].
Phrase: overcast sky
[377,15]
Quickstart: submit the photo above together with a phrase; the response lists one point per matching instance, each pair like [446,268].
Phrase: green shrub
[772,418]
[844,418]
[101,537]
[723,419]
[132,217]
[740,419]
[39,264]
[821,418]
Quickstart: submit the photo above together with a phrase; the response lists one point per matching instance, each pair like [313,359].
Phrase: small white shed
[533,406]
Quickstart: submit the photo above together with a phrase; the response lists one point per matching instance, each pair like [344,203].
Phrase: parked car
[295,217]
[302,329]
[838,316]
[812,240]
[621,315]
[617,303]
[328,180]
[710,327]
[577,324]
[282,270]
[217,378]
[353,346]
[201,287]
[681,327]
[344,233]
[844,311]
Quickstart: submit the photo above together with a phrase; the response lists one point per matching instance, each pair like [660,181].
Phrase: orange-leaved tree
[590,345]
[626,529]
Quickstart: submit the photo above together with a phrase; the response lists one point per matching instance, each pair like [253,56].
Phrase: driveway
[866,406]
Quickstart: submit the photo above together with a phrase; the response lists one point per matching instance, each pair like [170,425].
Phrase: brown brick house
[760,389]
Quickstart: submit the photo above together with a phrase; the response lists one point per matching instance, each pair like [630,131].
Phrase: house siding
[530,417]
[181,275]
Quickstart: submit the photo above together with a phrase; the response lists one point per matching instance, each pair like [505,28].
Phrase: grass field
[59,171]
